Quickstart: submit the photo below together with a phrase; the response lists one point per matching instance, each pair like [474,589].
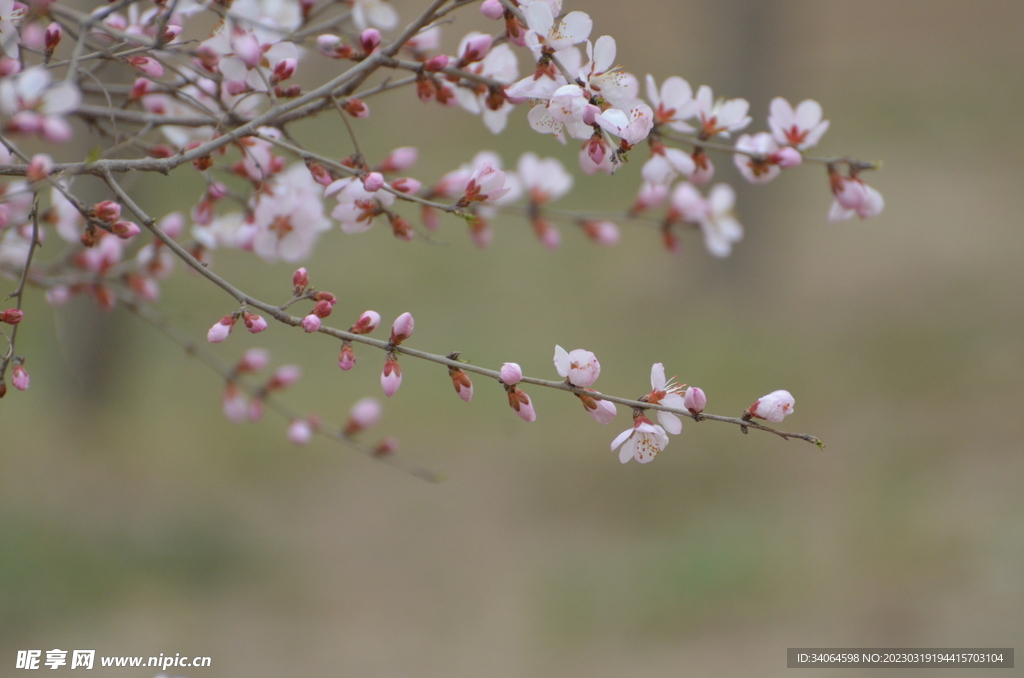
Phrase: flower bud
[347,357]
[300,280]
[402,328]
[284,376]
[284,70]
[386,447]
[125,229]
[786,157]
[774,407]
[151,68]
[492,9]
[463,386]
[300,432]
[406,185]
[254,412]
[602,232]
[369,40]
[254,323]
[234,404]
[357,108]
[253,360]
[12,316]
[323,309]
[476,49]
[39,168]
[221,330]
[367,323]
[320,173]
[311,323]
[373,182]
[364,415]
[391,376]
[400,159]
[520,402]
[19,377]
[435,64]
[694,400]
[52,37]
[108,211]
[511,374]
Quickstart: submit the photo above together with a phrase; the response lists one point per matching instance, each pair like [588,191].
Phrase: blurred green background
[135,520]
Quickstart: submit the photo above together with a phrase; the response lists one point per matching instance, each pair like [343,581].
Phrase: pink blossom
[300,280]
[668,393]
[462,383]
[125,229]
[367,323]
[58,295]
[374,13]
[492,9]
[673,103]
[802,128]
[402,328]
[300,432]
[107,210]
[284,376]
[406,185]
[602,232]
[11,15]
[665,164]
[19,377]
[601,411]
[234,404]
[774,407]
[474,49]
[288,216]
[720,117]
[642,441]
[391,376]
[544,32]
[151,68]
[12,316]
[511,374]
[578,367]
[649,196]
[604,79]
[253,360]
[544,179]
[486,183]
[369,40]
[311,323]
[520,402]
[347,357]
[632,128]
[254,323]
[373,182]
[39,167]
[400,159]
[853,196]
[757,168]
[705,169]
[220,331]
[694,400]
[364,415]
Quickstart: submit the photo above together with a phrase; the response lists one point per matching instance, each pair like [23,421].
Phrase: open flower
[578,367]
[801,128]
[668,393]
[774,407]
[641,442]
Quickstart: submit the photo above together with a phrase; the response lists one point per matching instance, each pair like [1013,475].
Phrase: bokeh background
[135,520]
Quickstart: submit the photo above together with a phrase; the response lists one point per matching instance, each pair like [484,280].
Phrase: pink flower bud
[579,367]
[216,190]
[171,32]
[40,167]
[300,280]
[300,432]
[151,68]
[323,309]
[172,224]
[463,386]
[12,316]
[108,211]
[590,113]
[284,376]
[284,70]
[320,174]
[511,374]
[221,330]
[492,9]
[254,412]
[357,108]
[140,88]
[369,40]
[373,182]
[125,229]
[694,400]
[247,48]
[254,323]
[325,296]
[774,407]
[400,159]
[9,67]
[600,411]
[406,185]
[234,404]
[391,376]
[364,415]
[52,37]
[347,357]
[402,328]
[311,323]
[786,157]
[476,49]
[367,323]
[19,377]
[253,360]
[435,64]
[602,232]
[705,169]
[520,402]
